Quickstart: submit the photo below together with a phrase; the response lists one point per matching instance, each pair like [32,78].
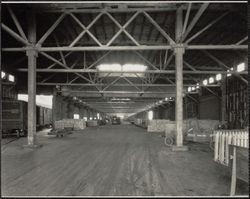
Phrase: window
[11,78]
[218,77]
[76,116]
[150,115]
[85,118]
[241,67]
[118,68]
[3,74]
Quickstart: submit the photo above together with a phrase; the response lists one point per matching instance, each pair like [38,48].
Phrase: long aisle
[109,160]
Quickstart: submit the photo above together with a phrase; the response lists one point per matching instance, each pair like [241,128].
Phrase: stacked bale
[74,124]
[91,123]
[160,125]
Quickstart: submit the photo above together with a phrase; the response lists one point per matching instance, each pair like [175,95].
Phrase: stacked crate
[92,123]
[160,125]
[74,124]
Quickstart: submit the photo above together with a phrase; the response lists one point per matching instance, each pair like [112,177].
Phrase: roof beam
[127,48]
[195,20]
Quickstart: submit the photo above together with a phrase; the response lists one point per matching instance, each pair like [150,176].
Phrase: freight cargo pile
[161,126]
[200,130]
[92,123]
[74,124]
[141,122]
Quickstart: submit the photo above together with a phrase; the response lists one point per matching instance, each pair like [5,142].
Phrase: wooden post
[179,51]
[233,179]
[32,56]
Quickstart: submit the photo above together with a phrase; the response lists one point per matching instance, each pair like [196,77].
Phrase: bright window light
[211,80]
[241,67]
[85,118]
[90,118]
[11,78]
[166,99]
[218,77]
[117,68]
[193,88]
[197,86]
[228,75]
[98,116]
[189,89]
[76,116]
[150,115]
[3,74]
[231,68]
[94,118]
[134,67]
[205,82]
[160,101]
[109,67]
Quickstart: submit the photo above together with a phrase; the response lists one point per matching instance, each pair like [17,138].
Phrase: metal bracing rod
[50,30]
[186,18]
[120,92]
[60,52]
[132,84]
[242,40]
[189,66]
[206,27]
[112,83]
[170,40]
[164,67]
[122,29]
[165,58]
[128,48]
[73,80]
[224,65]
[19,27]
[195,20]
[69,70]
[98,60]
[144,59]
[59,60]
[46,79]
[115,85]
[15,35]
[63,65]
[192,98]
[85,30]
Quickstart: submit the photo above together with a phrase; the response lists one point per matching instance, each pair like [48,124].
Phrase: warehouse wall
[65,109]
[209,108]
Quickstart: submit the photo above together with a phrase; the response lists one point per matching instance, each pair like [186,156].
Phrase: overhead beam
[69,70]
[14,34]
[127,48]
[195,20]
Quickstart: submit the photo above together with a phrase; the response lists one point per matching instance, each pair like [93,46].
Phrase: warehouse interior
[147,99]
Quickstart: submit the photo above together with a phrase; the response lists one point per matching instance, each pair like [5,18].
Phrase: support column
[179,51]
[32,56]
[223,100]
[54,107]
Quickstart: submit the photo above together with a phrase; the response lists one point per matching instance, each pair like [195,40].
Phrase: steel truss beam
[69,70]
[43,83]
[126,48]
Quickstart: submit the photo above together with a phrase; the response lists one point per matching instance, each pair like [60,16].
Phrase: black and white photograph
[124,99]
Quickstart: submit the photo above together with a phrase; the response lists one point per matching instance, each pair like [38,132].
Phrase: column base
[32,146]
[179,148]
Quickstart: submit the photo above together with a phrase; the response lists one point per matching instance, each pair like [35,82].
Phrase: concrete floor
[110,160]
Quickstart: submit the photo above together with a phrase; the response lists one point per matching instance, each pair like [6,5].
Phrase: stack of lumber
[74,124]
[92,123]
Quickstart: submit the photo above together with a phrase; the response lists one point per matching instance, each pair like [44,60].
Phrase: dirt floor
[121,160]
